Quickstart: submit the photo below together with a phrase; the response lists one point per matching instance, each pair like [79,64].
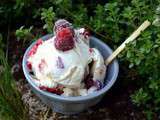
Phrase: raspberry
[34,48]
[64,39]
[42,64]
[31,52]
[39,42]
[29,65]
[62,23]
[55,90]
[89,81]
[98,84]
[60,63]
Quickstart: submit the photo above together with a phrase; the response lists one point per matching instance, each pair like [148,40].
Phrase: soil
[116,104]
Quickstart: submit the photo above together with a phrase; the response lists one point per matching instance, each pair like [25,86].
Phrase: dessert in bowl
[67,70]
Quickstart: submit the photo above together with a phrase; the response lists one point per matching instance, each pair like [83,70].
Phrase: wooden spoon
[132,37]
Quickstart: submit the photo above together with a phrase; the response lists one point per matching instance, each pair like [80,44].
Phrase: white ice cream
[52,67]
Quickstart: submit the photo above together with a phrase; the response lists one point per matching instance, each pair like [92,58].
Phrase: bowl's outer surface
[72,105]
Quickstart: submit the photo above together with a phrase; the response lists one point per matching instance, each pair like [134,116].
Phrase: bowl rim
[75,98]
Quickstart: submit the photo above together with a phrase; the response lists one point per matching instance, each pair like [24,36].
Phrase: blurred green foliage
[48,16]
[23,33]
[11,105]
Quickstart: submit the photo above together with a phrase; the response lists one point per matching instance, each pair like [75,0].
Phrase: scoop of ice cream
[67,67]
[52,66]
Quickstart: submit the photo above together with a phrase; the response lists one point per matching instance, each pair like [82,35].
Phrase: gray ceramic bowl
[73,105]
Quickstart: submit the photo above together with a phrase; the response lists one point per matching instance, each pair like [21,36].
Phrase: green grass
[11,105]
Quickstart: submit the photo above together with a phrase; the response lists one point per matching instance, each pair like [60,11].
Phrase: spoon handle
[132,37]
